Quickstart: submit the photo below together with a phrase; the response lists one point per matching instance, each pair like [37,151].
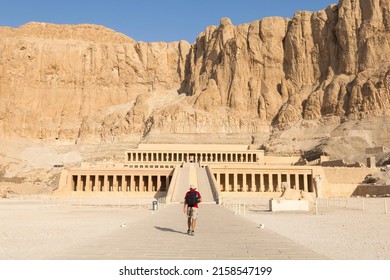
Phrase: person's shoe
[189,232]
[192,233]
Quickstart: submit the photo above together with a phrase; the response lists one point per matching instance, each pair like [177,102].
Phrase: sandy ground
[338,233]
[35,228]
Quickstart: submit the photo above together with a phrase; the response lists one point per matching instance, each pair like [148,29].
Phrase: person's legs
[194,217]
[189,222]
[193,223]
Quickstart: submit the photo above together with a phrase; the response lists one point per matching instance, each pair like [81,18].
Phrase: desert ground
[37,227]
[336,231]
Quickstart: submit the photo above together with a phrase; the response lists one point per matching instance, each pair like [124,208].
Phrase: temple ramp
[190,174]
[181,183]
[204,186]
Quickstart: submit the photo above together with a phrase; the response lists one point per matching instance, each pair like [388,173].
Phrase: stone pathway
[219,235]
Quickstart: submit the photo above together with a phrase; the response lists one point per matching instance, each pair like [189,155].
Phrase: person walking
[191,200]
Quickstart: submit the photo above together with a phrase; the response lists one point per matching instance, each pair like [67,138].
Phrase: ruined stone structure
[217,171]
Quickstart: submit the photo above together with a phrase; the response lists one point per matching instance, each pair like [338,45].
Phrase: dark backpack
[192,199]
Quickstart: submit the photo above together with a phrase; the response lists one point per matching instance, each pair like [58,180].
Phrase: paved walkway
[219,235]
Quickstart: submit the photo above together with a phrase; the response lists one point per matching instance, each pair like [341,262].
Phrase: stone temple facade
[167,170]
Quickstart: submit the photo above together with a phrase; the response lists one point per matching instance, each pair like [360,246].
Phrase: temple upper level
[202,153]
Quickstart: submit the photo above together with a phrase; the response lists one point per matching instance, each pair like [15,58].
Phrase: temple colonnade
[228,180]
[187,156]
[119,181]
[264,180]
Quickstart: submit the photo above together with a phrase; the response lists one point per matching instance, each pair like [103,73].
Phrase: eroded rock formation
[54,77]
[89,82]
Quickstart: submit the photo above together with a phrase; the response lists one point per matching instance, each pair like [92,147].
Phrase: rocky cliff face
[89,82]
[280,71]
[53,79]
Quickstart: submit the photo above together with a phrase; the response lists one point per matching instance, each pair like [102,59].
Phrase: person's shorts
[192,212]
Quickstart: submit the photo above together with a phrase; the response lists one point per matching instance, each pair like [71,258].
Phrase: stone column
[279,187]
[78,183]
[305,183]
[105,183]
[227,182]
[288,180]
[91,184]
[318,185]
[123,183]
[158,185]
[150,183]
[167,181]
[234,181]
[271,182]
[244,186]
[87,184]
[127,183]
[143,186]
[114,183]
[253,183]
[297,181]
[97,183]
[262,181]
[132,183]
[118,183]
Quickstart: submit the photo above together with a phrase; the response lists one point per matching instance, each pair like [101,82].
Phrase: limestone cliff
[53,77]
[280,71]
[89,82]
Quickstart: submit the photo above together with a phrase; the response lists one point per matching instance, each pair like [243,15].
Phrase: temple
[166,170]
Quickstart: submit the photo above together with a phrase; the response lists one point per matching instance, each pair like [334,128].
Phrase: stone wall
[342,181]
[371,190]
